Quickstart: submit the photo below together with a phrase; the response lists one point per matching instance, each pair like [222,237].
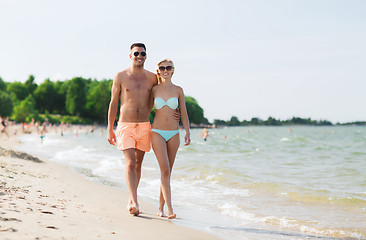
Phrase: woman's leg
[160,149]
[173,145]
[172,148]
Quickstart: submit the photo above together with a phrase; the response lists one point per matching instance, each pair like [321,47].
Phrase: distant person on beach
[43,131]
[42,134]
[133,86]
[3,126]
[62,129]
[165,131]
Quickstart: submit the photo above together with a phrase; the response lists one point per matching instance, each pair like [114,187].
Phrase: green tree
[17,91]
[45,96]
[2,85]
[324,122]
[30,84]
[24,109]
[195,112]
[302,121]
[219,122]
[152,115]
[272,122]
[255,121]
[97,100]
[6,104]
[205,121]
[61,89]
[234,121]
[75,96]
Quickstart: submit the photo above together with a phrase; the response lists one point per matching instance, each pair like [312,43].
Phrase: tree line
[234,121]
[77,100]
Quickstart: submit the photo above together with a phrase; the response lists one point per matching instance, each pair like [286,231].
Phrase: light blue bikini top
[172,103]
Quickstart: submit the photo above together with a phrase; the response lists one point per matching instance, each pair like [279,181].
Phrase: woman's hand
[187,139]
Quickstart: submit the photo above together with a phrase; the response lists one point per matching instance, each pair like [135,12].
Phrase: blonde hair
[158,65]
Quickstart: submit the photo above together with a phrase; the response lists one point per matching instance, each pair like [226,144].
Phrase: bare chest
[142,88]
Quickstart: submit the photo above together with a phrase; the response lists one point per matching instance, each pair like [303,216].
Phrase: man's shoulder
[120,76]
[124,72]
[151,76]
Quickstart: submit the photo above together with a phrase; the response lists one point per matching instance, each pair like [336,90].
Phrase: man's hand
[111,137]
[176,114]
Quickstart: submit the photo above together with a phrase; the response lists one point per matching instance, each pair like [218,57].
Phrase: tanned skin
[133,87]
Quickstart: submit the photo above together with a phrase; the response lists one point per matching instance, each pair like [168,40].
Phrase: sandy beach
[46,200]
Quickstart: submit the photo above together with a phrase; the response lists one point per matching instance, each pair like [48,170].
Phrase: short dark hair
[138,45]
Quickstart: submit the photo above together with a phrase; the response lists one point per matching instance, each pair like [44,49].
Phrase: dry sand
[45,200]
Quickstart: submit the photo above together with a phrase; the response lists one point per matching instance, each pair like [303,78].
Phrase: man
[133,85]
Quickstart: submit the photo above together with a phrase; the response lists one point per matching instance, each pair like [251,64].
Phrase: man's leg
[131,180]
[139,158]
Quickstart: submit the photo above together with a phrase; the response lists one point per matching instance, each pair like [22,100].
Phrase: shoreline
[47,200]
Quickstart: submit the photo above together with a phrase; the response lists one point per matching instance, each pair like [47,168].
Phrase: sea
[297,182]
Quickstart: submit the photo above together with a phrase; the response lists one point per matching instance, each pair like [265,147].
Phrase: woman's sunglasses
[168,68]
[137,53]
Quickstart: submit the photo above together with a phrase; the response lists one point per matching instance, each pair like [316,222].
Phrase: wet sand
[40,199]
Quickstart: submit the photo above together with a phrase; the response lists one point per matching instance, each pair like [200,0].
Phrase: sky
[262,58]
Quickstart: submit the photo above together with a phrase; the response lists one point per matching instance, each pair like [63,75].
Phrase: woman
[3,126]
[165,130]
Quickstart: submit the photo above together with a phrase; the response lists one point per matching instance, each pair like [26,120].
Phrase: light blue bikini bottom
[166,134]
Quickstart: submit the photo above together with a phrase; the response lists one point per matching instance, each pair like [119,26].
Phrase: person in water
[165,130]
[205,134]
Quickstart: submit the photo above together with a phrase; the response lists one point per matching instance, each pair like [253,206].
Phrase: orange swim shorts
[134,135]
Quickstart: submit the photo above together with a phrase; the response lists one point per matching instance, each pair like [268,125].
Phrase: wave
[306,195]
[280,234]
[310,229]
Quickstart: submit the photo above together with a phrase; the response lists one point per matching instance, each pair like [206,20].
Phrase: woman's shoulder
[156,86]
[154,89]
[176,87]
[179,89]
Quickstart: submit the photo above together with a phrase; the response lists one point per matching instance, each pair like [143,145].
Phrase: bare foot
[161,213]
[172,216]
[133,210]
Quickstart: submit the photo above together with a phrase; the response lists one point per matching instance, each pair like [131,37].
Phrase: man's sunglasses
[168,68]
[137,53]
